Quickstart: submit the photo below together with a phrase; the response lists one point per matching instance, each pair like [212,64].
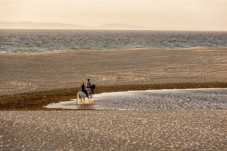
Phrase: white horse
[81,96]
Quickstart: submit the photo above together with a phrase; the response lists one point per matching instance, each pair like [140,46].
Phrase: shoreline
[37,100]
[71,51]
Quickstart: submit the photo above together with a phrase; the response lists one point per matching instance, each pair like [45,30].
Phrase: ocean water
[47,40]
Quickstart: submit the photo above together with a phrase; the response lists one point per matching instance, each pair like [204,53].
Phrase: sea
[17,41]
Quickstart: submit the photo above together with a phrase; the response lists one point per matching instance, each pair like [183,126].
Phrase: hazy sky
[150,14]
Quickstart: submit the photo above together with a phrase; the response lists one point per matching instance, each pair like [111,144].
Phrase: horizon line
[99,29]
[115,26]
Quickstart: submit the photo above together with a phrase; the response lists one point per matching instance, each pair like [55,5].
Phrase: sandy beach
[31,81]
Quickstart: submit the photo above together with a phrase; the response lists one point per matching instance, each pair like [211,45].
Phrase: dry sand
[114,130]
[68,69]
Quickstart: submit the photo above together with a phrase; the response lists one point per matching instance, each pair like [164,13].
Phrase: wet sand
[114,130]
[68,69]
[37,100]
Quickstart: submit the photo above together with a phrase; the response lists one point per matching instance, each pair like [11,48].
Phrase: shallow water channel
[212,98]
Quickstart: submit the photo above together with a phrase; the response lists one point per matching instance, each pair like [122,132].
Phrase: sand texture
[67,69]
[114,130]
[112,71]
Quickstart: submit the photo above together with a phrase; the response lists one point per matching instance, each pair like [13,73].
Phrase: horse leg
[78,100]
[83,100]
[87,100]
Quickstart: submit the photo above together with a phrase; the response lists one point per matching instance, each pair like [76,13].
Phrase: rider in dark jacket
[84,89]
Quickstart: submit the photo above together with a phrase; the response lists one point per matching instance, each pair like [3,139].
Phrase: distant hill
[36,25]
[33,25]
[120,26]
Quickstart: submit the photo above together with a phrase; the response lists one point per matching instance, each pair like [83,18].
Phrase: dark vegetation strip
[36,100]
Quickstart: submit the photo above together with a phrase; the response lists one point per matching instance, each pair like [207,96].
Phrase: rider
[90,86]
[84,89]
[88,83]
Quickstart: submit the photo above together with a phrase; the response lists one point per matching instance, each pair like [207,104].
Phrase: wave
[49,52]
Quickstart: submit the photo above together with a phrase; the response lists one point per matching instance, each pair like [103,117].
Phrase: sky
[148,14]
